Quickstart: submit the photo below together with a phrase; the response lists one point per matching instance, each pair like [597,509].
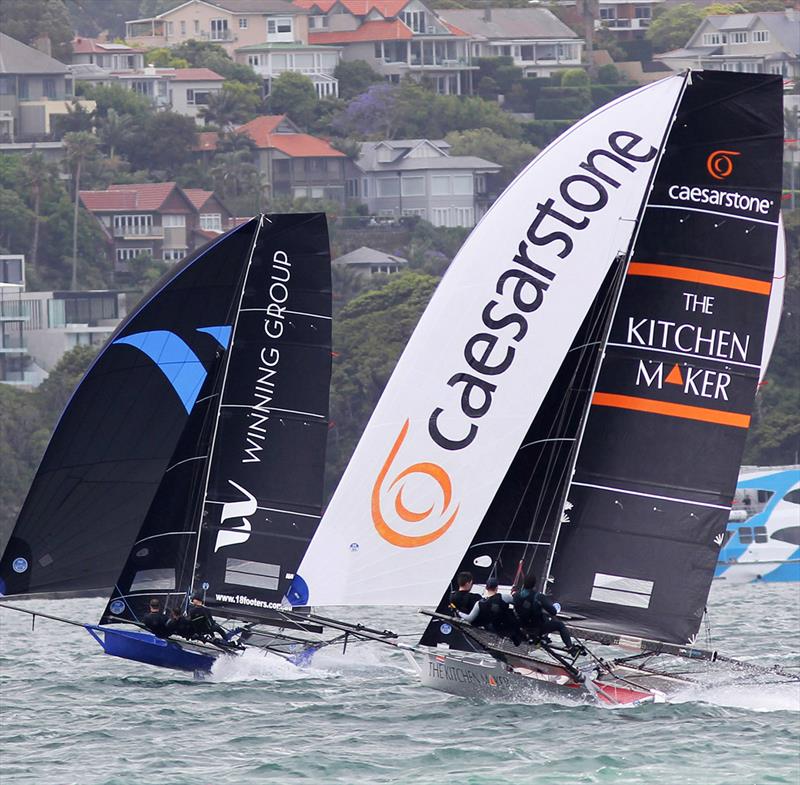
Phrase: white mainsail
[482,358]
[775,300]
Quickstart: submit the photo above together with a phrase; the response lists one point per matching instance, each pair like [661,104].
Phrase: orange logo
[431,470]
[720,163]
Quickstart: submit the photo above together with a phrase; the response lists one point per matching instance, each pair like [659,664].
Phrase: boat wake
[750,695]
[255,665]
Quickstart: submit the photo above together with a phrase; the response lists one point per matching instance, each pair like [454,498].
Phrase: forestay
[659,456]
[482,359]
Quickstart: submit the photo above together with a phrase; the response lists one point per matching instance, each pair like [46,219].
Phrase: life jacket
[494,612]
[464,601]
[529,609]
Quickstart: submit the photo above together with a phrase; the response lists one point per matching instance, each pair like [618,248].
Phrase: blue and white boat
[762,542]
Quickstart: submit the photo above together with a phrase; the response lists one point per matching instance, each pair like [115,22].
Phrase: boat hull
[473,676]
[148,649]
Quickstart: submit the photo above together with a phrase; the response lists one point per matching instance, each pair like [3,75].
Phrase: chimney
[487,12]
[42,43]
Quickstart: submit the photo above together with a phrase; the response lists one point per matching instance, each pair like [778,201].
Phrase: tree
[575,77]
[16,221]
[120,99]
[38,175]
[235,104]
[114,129]
[26,20]
[369,115]
[672,27]
[355,77]
[160,141]
[80,148]
[511,154]
[293,94]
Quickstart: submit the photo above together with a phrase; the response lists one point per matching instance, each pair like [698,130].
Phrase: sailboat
[190,458]
[575,399]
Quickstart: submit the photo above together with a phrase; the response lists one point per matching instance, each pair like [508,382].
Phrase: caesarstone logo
[232,510]
[433,517]
[720,163]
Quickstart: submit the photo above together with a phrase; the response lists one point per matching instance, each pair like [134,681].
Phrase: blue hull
[150,650]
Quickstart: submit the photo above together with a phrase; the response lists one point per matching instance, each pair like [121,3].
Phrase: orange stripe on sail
[671,409]
[700,276]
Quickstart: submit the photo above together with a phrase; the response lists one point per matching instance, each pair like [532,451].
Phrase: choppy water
[71,714]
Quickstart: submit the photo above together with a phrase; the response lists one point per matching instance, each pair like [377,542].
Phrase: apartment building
[230,23]
[159,220]
[35,90]
[420,177]
[535,38]
[318,63]
[107,55]
[396,37]
[767,42]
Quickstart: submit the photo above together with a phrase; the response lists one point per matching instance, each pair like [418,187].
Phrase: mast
[601,349]
[201,514]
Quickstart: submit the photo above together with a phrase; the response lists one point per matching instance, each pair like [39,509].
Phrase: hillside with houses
[135,132]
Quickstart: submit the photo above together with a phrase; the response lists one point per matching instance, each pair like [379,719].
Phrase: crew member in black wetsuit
[203,624]
[537,614]
[494,613]
[155,620]
[178,624]
[463,600]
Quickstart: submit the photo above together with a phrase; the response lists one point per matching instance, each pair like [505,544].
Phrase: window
[7,85]
[253,60]
[317,22]
[126,254]
[49,88]
[351,188]
[197,97]
[739,38]
[388,186]
[414,20]
[440,185]
[183,27]
[173,254]
[760,36]
[315,165]
[170,28]
[711,39]
[745,535]
[219,29]
[764,496]
[464,216]
[243,23]
[365,187]
[23,92]
[761,534]
[133,225]
[793,496]
[280,25]
[608,13]
[173,221]
[413,186]
[790,534]
[462,184]
[197,26]
[643,12]
[441,216]
[211,222]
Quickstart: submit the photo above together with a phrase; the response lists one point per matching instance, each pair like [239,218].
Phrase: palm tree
[221,110]
[114,129]
[81,147]
[38,175]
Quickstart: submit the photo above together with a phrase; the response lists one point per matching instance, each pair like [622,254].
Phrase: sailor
[202,622]
[155,620]
[463,600]
[537,614]
[178,624]
[494,613]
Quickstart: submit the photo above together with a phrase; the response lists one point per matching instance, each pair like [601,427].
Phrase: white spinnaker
[407,507]
[775,308]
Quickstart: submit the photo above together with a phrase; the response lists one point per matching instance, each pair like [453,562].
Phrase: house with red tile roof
[292,164]
[161,220]
[397,38]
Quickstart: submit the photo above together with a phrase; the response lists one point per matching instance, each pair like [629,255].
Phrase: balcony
[622,24]
[138,232]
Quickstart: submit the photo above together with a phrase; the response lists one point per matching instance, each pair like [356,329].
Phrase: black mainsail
[242,496]
[120,430]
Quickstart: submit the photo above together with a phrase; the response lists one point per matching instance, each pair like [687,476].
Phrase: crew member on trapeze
[494,613]
[464,600]
[537,615]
